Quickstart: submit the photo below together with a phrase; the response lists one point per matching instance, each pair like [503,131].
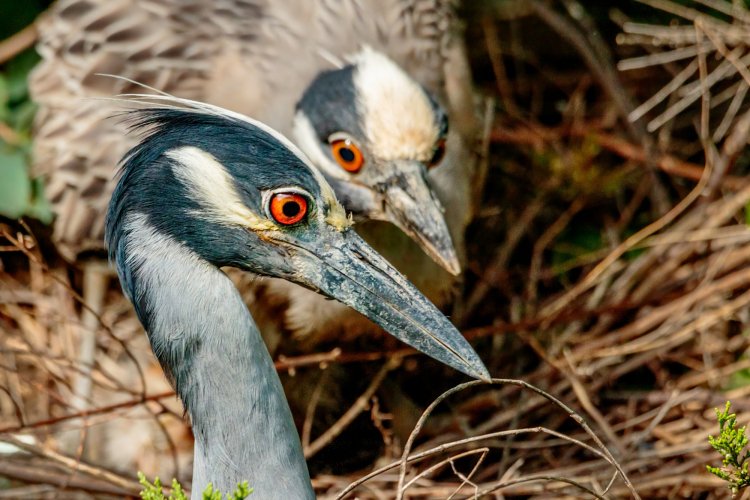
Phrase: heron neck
[204,336]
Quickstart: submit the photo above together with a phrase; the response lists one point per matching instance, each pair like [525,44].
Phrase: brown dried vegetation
[609,267]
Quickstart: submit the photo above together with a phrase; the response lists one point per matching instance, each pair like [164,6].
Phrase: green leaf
[210,494]
[4,91]
[15,188]
[4,97]
[177,492]
[40,209]
[22,117]
[242,491]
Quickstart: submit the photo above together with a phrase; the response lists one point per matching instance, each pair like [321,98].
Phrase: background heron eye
[348,155]
[438,155]
[288,208]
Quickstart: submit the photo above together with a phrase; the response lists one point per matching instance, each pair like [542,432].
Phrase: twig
[85,413]
[520,383]
[495,53]
[505,484]
[480,451]
[620,250]
[703,320]
[310,412]
[600,67]
[74,464]
[503,254]
[669,164]
[462,442]
[11,47]
[36,259]
[358,407]
[318,358]
[541,244]
[36,475]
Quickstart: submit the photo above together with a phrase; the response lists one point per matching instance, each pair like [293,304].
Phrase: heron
[207,188]
[376,92]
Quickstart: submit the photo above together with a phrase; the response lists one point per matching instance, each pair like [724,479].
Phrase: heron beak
[411,205]
[342,266]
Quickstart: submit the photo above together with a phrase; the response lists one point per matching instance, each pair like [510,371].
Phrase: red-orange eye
[288,208]
[438,155]
[348,155]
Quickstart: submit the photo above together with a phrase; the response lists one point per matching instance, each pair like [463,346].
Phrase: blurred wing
[170,45]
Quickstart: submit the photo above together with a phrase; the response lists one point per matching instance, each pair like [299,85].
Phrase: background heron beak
[342,266]
[411,205]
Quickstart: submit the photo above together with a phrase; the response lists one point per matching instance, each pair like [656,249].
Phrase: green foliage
[240,493]
[155,491]
[19,194]
[731,444]
[15,188]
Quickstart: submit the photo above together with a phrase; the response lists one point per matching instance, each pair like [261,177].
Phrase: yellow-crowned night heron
[206,189]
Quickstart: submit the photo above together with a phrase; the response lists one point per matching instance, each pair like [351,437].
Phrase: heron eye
[348,155]
[288,208]
[438,155]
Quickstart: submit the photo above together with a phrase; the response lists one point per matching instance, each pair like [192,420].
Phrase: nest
[609,284]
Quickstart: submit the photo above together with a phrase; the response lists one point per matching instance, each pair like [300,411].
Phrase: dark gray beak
[342,266]
[411,205]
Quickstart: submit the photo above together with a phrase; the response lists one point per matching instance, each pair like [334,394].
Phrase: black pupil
[347,154]
[438,155]
[291,208]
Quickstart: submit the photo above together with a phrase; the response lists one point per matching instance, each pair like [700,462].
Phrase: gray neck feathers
[204,336]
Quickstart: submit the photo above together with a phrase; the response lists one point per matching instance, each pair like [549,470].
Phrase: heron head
[236,193]
[375,133]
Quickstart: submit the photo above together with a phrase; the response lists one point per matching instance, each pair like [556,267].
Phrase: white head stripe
[212,186]
[398,116]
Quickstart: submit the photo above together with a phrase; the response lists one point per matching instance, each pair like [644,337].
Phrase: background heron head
[233,192]
[375,132]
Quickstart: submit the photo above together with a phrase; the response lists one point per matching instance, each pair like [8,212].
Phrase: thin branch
[628,244]
[353,412]
[11,47]
[37,475]
[74,464]
[520,383]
